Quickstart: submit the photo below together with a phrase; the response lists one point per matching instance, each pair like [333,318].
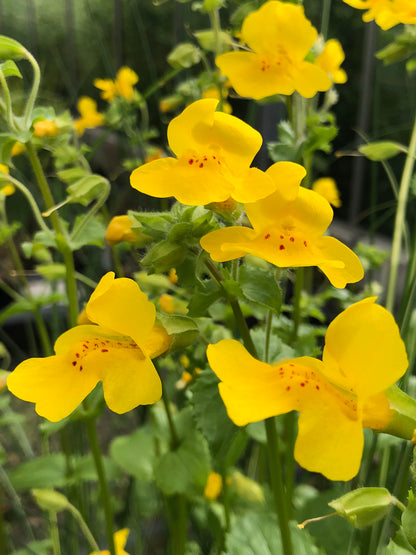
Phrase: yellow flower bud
[119,229]
[213,486]
[45,128]
[166,303]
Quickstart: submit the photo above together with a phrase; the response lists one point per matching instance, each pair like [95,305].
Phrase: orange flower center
[101,345]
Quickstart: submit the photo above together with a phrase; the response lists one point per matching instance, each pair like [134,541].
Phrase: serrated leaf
[135,454]
[399,545]
[184,470]
[184,55]
[409,519]
[92,233]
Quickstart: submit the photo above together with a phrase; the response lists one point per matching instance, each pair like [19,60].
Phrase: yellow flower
[117,351]
[90,118]
[185,379]
[213,92]
[173,276]
[126,78]
[288,228]
[7,189]
[45,128]
[280,37]
[362,357]
[386,13]
[214,152]
[330,60]
[213,486]
[326,187]
[167,303]
[120,539]
[119,229]
[17,148]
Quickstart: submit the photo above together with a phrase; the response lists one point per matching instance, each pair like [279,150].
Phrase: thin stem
[8,100]
[399,223]
[269,320]
[172,428]
[105,492]
[326,10]
[34,91]
[84,528]
[278,488]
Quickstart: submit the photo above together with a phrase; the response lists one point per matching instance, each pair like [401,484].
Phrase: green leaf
[211,416]
[260,287]
[258,534]
[203,296]
[208,40]
[409,519]
[184,55]
[135,454]
[381,150]
[40,547]
[9,69]
[399,545]
[92,233]
[86,189]
[164,256]
[15,308]
[184,470]
[47,471]
[184,329]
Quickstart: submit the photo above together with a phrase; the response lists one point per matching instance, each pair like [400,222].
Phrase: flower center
[287,240]
[101,345]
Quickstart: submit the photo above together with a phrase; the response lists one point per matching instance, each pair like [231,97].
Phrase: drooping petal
[53,383]
[223,244]
[341,265]
[118,304]
[184,180]
[329,442]
[363,349]
[253,75]
[309,79]
[129,378]
[157,342]
[377,412]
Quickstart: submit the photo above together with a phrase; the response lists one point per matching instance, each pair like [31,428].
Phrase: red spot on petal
[77,355]
[317,387]
[288,388]
[291,364]
[302,384]
[104,350]
[282,237]
[74,363]
[191,161]
[282,247]
[267,236]
[292,239]
[80,368]
[305,243]
[201,165]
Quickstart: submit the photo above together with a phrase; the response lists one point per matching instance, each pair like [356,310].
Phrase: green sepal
[183,329]
[364,506]
[208,40]
[381,150]
[10,69]
[409,519]
[164,256]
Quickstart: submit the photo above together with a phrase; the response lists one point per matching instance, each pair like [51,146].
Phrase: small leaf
[208,40]
[409,519]
[260,287]
[184,55]
[10,49]
[9,69]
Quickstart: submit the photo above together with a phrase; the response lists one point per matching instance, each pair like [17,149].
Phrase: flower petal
[364,350]
[329,442]
[129,379]
[217,242]
[347,267]
[53,384]
[309,79]
[279,25]
[251,76]
[118,304]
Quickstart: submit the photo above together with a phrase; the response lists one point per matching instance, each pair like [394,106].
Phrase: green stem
[161,82]
[105,492]
[326,10]
[8,100]
[269,320]
[399,224]
[61,239]
[172,428]
[34,91]
[84,527]
[278,488]
[54,533]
